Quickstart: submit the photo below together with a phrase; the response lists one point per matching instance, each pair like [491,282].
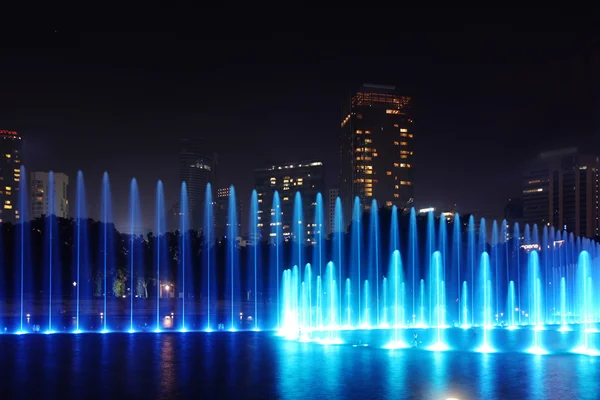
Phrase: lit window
[395,112]
[410,135]
[7,207]
[402,165]
[396,142]
[8,188]
[367,141]
[367,132]
[388,173]
[403,182]
[396,187]
[403,130]
[395,125]
[8,156]
[396,164]
[359,132]
[404,134]
[403,156]
[403,143]
[396,195]
[388,203]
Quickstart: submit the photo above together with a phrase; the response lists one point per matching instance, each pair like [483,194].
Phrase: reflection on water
[257,365]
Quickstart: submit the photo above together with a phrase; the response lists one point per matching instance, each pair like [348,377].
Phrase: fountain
[370,279]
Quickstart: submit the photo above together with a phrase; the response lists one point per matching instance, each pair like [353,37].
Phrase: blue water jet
[209,259]
[232,285]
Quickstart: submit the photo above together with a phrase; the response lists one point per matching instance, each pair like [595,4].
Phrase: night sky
[486,100]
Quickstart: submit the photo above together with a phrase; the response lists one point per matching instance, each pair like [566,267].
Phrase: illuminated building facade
[197,167]
[40,190]
[305,177]
[561,189]
[377,149]
[10,163]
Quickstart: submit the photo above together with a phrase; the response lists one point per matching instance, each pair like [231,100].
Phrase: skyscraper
[10,175]
[40,195]
[305,177]
[561,189]
[197,167]
[377,149]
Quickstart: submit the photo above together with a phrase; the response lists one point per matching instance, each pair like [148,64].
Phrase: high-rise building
[40,195]
[197,167]
[221,213]
[377,149]
[333,195]
[561,189]
[10,175]
[305,177]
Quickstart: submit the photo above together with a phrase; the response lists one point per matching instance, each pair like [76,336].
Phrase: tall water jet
[332,302]
[443,244]
[22,257]
[80,250]
[471,261]
[107,244]
[254,256]
[232,255]
[496,262]
[208,261]
[430,246]
[457,265]
[184,232]
[584,302]
[51,247]
[160,248]
[374,255]
[485,300]
[397,277]
[134,220]
[298,231]
[547,278]
[309,294]
[276,248]
[356,255]
[535,300]
[338,248]
[438,300]
[319,251]
[413,259]
[517,252]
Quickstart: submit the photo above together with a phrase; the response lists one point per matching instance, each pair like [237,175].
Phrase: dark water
[248,365]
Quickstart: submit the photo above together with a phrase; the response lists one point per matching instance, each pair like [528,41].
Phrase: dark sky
[487,98]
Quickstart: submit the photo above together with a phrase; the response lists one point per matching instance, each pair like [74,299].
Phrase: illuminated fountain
[387,276]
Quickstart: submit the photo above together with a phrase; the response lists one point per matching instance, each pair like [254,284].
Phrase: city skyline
[477,117]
